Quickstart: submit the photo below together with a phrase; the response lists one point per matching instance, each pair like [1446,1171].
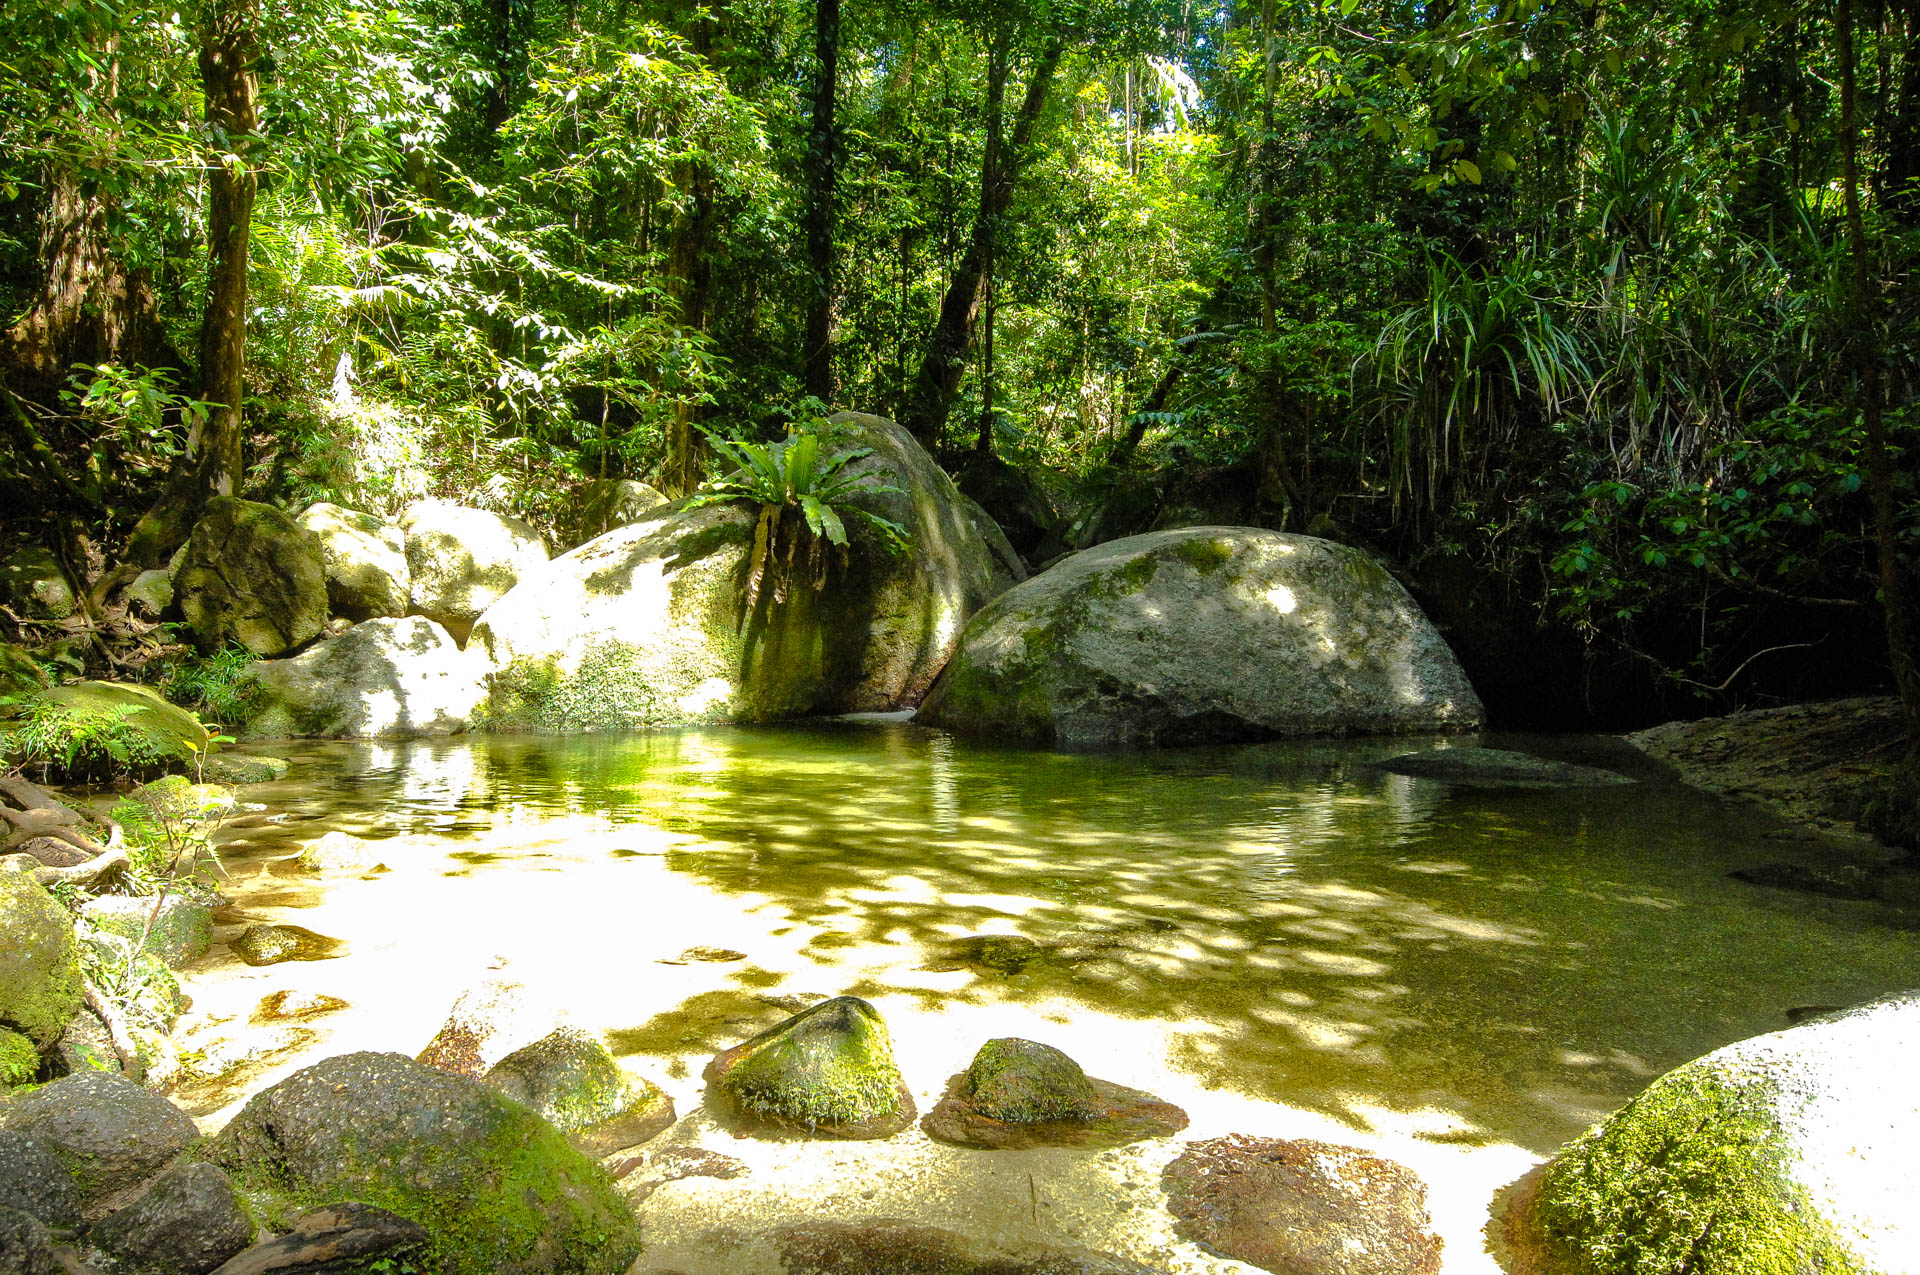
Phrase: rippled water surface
[1282,928]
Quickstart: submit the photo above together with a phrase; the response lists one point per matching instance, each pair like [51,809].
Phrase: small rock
[150,594]
[488,1022]
[669,1164]
[189,1220]
[109,1131]
[570,1079]
[1019,1094]
[175,929]
[1004,954]
[828,1071]
[246,768]
[86,1046]
[1835,881]
[288,1003]
[888,1246]
[1499,768]
[33,1180]
[36,585]
[1303,1207]
[719,955]
[340,1239]
[26,1246]
[341,852]
[272,944]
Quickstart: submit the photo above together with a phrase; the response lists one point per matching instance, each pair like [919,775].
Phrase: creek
[1280,938]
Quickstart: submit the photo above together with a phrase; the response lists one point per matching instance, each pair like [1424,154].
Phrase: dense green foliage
[1548,300]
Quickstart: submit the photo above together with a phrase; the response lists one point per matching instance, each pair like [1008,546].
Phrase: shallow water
[1280,938]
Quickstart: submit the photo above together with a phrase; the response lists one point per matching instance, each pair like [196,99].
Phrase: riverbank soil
[1809,763]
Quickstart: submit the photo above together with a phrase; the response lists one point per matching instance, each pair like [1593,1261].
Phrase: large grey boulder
[35,585]
[462,560]
[1786,1152]
[1198,634]
[365,559]
[498,1189]
[40,987]
[252,575]
[647,623]
[107,1130]
[384,679]
[34,1181]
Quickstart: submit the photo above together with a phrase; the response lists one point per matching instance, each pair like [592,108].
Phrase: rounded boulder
[251,575]
[1203,634]
[462,560]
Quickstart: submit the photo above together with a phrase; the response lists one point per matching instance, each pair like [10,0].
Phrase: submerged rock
[888,1246]
[107,1130]
[385,679]
[40,987]
[1835,880]
[187,1222]
[1791,1152]
[1005,954]
[827,1071]
[1303,1207]
[1200,634]
[498,1190]
[463,560]
[1499,768]
[272,944]
[365,559]
[571,1080]
[1020,1093]
[647,623]
[252,575]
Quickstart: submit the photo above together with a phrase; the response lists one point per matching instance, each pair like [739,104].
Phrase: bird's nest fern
[806,502]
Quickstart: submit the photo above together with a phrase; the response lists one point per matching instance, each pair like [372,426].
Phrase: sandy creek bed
[1278,938]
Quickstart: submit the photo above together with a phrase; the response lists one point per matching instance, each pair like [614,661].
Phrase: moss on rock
[1692,1176]
[40,988]
[828,1069]
[1023,1081]
[19,1060]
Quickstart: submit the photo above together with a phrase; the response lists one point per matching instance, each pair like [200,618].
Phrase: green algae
[829,1067]
[19,1060]
[1204,554]
[1691,1178]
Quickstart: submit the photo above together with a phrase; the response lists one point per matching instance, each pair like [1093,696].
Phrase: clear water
[1281,925]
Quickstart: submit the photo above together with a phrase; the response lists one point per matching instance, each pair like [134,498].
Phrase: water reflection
[1300,926]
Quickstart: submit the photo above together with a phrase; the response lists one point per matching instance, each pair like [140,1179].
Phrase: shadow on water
[1304,928]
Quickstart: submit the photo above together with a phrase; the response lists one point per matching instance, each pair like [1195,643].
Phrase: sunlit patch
[1281,599]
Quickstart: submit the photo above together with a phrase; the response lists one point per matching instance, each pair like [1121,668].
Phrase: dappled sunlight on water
[1277,937]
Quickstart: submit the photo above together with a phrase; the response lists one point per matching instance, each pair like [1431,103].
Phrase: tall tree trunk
[823,163]
[211,465]
[1894,595]
[945,362]
[689,276]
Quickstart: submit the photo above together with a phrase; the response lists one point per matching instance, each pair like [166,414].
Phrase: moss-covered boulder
[365,559]
[40,987]
[571,1080]
[1205,633]
[647,624]
[1776,1155]
[175,929]
[384,679]
[827,1071]
[1020,1093]
[21,678]
[252,575]
[500,1191]
[160,733]
[35,585]
[462,560]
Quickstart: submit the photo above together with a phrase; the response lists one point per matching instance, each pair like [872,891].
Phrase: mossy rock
[109,1132]
[40,984]
[1782,1154]
[167,733]
[252,575]
[1020,1093]
[499,1190]
[571,1080]
[19,1060]
[21,678]
[826,1071]
[272,944]
[36,585]
[245,768]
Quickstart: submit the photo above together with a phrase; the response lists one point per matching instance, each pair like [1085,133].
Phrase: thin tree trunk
[945,362]
[823,163]
[1894,597]
[689,281]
